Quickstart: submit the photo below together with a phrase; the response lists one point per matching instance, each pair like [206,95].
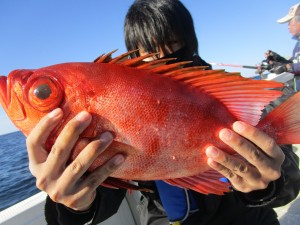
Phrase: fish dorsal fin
[244,97]
[104,58]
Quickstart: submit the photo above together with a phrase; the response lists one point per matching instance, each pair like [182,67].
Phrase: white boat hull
[31,212]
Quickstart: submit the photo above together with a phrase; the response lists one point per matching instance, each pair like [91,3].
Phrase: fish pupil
[42,91]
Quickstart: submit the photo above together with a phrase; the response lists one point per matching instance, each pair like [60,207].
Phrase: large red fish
[162,116]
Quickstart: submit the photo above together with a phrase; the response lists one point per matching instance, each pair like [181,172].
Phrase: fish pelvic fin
[208,182]
[283,123]
[116,183]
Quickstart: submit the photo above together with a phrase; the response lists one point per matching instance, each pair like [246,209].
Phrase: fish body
[162,116]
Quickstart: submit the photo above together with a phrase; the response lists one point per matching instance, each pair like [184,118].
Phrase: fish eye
[42,91]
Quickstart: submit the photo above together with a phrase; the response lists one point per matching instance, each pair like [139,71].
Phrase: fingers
[38,136]
[259,138]
[81,197]
[256,147]
[227,164]
[241,174]
[242,146]
[60,152]
[85,158]
[67,184]
[259,161]
[102,173]
[83,191]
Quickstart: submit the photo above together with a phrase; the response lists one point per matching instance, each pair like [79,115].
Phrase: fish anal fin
[205,183]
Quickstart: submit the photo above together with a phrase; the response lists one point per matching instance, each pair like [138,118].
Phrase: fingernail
[106,136]
[118,159]
[54,113]
[212,152]
[225,134]
[83,116]
[238,126]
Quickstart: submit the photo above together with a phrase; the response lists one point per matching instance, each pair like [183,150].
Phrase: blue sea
[16,181]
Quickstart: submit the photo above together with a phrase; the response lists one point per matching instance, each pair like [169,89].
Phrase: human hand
[66,184]
[262,158]
[289,67]
[279,69]
[267,54]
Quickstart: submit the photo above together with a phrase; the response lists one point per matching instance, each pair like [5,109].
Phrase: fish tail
[283,123]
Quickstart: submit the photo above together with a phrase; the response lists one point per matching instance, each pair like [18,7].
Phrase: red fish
[162,116]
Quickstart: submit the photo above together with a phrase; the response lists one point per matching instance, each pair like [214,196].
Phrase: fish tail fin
[209,182]
[283,123]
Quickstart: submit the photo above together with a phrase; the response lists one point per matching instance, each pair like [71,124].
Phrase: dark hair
[155,23]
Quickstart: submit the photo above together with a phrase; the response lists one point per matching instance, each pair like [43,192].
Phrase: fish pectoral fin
[209,182]
[116,183]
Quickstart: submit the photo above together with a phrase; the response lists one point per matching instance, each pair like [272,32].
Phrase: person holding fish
[293,64]
[261,175]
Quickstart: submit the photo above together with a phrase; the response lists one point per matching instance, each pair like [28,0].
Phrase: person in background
[268,177]
[274,63]
[293,20]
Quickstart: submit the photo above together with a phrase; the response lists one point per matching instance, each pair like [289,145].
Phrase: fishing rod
[233,65]
[242,66]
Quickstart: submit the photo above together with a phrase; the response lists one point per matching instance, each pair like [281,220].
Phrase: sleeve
[281,191]
[106,204]
[296,68]
[295,60]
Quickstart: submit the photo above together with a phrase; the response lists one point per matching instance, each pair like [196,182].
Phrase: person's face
[173,47]
[294,27]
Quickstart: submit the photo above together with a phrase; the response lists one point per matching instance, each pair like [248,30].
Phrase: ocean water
[16,181]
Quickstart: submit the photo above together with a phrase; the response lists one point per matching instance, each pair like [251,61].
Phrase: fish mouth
[3,92]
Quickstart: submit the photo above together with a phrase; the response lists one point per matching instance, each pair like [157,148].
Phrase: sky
[38,33]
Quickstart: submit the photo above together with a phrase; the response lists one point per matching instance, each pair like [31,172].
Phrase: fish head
[28,95]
